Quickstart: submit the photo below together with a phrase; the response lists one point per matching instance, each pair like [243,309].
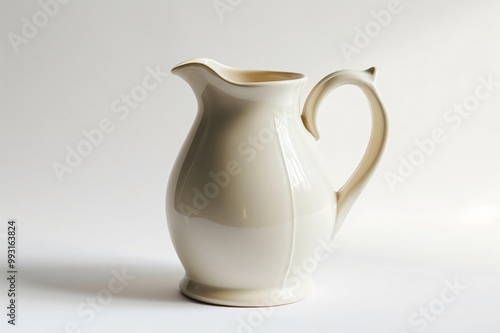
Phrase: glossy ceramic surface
[249,201]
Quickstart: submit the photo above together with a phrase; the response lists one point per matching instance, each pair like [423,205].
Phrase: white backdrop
[419,250]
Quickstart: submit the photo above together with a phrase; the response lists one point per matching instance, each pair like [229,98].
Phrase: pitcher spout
[198,63]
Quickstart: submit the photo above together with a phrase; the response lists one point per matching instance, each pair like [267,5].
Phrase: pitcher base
[245,297]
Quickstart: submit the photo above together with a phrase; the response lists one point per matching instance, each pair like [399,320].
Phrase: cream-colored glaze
[248,199]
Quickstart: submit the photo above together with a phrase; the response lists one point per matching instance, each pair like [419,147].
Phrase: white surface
[397,248]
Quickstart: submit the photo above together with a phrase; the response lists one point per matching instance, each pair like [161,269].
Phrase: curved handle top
[362,79]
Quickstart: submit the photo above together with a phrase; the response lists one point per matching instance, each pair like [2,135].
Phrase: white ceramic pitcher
[248,201]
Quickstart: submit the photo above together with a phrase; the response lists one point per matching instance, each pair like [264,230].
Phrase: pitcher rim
[247,77]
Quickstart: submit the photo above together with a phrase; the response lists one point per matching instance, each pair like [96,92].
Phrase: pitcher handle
[363,79]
